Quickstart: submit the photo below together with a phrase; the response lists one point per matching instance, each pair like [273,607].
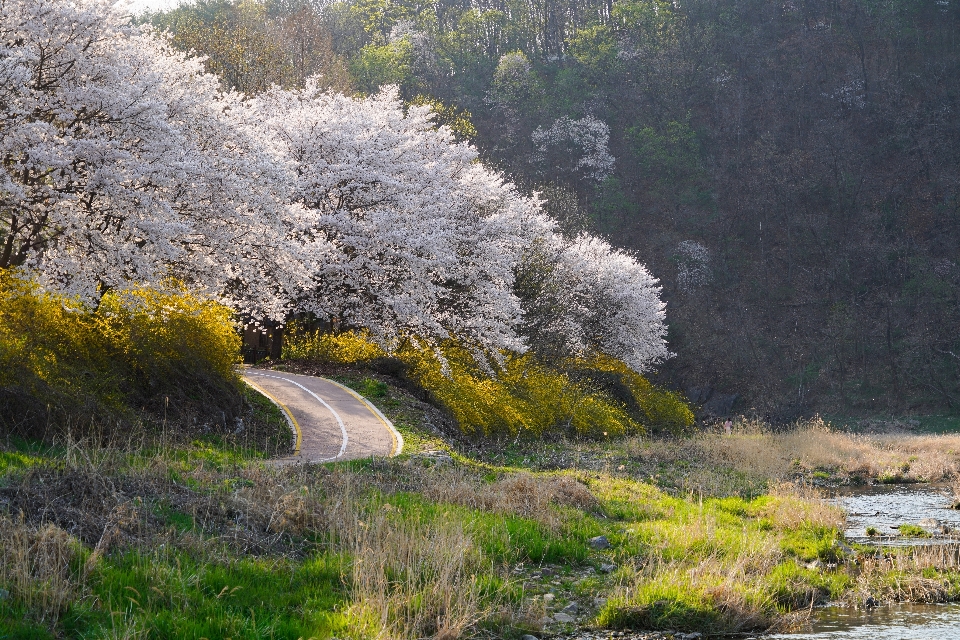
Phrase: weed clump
[913,531]
[36,565]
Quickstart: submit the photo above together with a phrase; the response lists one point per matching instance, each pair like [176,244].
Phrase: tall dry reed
[35,563]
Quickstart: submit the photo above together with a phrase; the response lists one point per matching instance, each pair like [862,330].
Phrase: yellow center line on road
[336,416]
[286,412]
[397,438]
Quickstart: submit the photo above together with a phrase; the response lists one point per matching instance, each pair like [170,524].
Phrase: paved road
[331,421]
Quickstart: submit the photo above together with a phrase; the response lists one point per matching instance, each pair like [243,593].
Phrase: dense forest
[789,170]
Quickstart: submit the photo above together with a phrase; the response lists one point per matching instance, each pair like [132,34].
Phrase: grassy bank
[200,539]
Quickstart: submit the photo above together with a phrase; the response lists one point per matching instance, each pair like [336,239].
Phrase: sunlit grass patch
[170,594]
[672,596]
[913,531]
[12,462]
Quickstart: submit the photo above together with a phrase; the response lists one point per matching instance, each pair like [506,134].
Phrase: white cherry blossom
[124,163]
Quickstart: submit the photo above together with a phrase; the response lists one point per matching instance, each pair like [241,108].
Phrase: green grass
[913,531]
[683,559]
[169,594]
[16,461]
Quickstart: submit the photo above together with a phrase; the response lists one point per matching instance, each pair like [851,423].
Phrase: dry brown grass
[799,505]
[35,564]
[907,575]
[756,451]
[412,580]
[520,494]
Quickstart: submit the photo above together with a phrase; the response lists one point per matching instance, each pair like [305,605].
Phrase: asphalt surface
[331,421]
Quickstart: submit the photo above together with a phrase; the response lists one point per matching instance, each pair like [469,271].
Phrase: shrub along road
[331,422]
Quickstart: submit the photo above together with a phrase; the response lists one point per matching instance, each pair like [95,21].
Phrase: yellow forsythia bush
[524,396]
[335,348]
[662,409]
[70,361]
[163,331]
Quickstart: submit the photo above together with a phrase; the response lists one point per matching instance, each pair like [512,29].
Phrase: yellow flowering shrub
[61,360]
[160,332]
[523,396]
[662,409]
[336,348]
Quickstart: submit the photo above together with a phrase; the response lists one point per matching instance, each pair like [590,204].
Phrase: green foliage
[378,17]
[596,48]
[913,531]
[459,120]
[379,65]
[373,388]
[233,37]
[670,155]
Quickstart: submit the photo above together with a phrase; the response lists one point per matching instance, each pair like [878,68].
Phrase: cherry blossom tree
[582,296]
[403,231]
[579,147]
[124,163]
[120,161]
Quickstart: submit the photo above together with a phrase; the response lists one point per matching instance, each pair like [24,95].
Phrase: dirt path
[331,422]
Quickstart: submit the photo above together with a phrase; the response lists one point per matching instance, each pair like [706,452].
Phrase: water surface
[883,506]
[895,622]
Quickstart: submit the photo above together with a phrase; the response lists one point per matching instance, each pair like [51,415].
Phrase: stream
[896,622]
[884,507]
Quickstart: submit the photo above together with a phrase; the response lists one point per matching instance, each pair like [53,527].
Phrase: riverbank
[453,539]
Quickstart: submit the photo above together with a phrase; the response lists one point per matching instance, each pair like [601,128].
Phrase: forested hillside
[790,170]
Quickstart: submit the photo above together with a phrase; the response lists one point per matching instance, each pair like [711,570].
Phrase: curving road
[331,422]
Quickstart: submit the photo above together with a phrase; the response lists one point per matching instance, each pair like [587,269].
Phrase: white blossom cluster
[589,137]
[693,265]
[123,162]
[597,298]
